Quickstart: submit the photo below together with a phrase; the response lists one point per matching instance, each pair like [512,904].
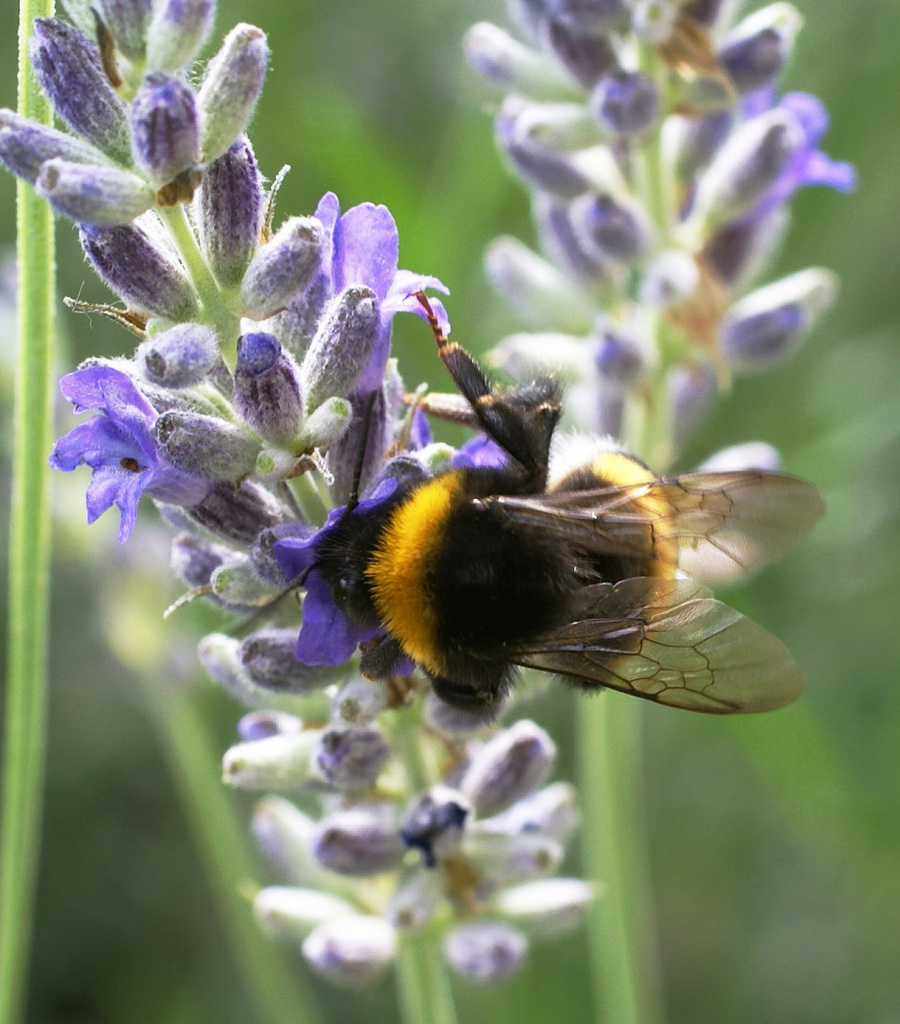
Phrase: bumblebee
[589,571]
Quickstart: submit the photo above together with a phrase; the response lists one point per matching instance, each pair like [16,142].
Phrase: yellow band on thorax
[401,565]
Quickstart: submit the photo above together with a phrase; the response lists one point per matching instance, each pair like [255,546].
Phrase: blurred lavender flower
[686,158]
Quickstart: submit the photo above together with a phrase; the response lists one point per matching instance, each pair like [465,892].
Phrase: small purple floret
[119,446]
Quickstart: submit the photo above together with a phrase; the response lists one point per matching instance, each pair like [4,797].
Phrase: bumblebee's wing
[715,526]
[669,641]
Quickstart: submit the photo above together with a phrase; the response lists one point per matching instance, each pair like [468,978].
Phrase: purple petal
[367,247]
[327,637]
[810,112]
[480,451]
[94,387]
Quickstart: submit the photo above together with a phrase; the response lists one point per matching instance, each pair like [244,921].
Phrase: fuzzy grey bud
[282,267]
[267,387]
[756,51]
[177,32]
[495,55]
[625,103]
[126,21]
[351,759]
[276,762]
[70,71]
[351,951]
[232,84]
[25,145]
[510,765]
[103,196]
[585,56]
[179,357]
[230,205]
[547,907]
[206,445]
[237,514]
[145,275]
[268,659]
[164,128]
[260,725]
[289,912]
[359,842]
[485,951]
[359,702]
[617,229]
[340,350]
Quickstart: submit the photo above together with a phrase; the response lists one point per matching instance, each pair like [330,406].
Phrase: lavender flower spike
[119,447]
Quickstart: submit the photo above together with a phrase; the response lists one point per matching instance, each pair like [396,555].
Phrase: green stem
[273,982]
[621,926]
[225,322]
[29,547]
[424,988]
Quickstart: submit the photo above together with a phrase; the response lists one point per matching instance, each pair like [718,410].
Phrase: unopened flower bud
[25,145]
[102,196]
[267,387]
[625,103]
[546,907]
[282,267]
[268,659]
[485,951]
[766,326]
[194,559]
[495,55]
[705,12]
[206,445]
[164,128]
[288,912]
[510,765]
[592,17]
[736,251]
[232,84]
[694,141]
[541,166]
[126,21]
[340,350]
[756,51]
[618,358]
[179,357]
[276,762]
[260,725]
[359,842]
[230,204]
[177,31]
[359,701]
[690,395]
[351,951]
[237,514]
[617,229]
[70,71]
[586,56]
[235,583]
[285,834]
[434,821]
[351,759]
[540,293]
[671,277]
[500,857]
[747,165]
[652,21]
[326,425]
[147,277]
[417,898]
[550,811]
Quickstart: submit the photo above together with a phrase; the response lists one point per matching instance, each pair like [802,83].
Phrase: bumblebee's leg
[521,422]
[378,657]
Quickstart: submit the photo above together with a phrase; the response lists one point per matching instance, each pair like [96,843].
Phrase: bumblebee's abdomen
[452,580]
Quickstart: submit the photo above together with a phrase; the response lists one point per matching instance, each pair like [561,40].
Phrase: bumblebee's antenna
[353,500]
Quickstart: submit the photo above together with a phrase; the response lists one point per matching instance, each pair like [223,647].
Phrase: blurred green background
[775,841]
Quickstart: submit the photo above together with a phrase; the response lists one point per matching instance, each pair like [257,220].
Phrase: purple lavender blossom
[327,636]
[119,446]
[362,247]
[808,165]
